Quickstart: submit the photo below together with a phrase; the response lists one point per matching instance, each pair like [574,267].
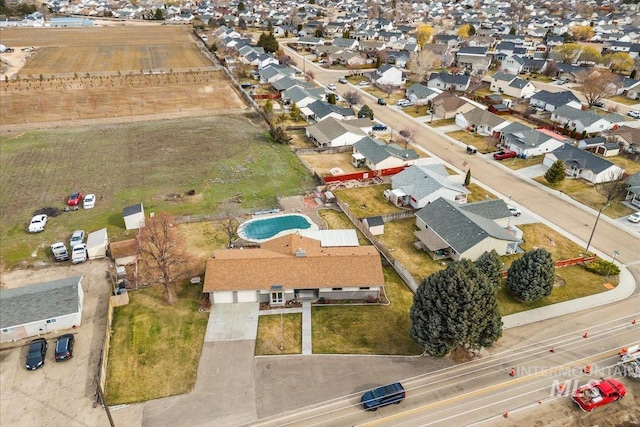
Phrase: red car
[505,154]
[74,199]
[598,393]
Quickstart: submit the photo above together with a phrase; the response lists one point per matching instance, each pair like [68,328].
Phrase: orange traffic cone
[586,334]
[587,369]
[506,414]
[623,351]
[513,372]
[551,349]
[561,388]
[633,322]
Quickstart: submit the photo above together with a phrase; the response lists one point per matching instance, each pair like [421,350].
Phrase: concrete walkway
[306,323]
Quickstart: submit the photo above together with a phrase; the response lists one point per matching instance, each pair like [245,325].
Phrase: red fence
[266,95]
[564,263]
[362,175]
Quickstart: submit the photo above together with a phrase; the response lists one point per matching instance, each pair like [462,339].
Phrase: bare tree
[352,97]
[597,85]
[421,63]
[162,254]
[614,187]
[309,76]
[285,59]
[550,69]
[408,136]
[230,226]
[388,89]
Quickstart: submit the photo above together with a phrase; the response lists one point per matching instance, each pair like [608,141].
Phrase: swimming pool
[260,229]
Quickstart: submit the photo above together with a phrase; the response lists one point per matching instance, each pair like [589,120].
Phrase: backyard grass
[587,194]
[338,220]
[368,329]
[519,163]
[417,110]
[469,138]
[226,160]
[276,337]
[367,201]
[442,122]
[155,348]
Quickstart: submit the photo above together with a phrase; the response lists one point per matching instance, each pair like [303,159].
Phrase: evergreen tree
[467,178]
[331,98]
[158,15]
[268,42]
[556,173]
[378,61]
[455,307]
[268,107]
[532,276]
[472,30]
[491,265]
[241,7]
[294,112]
[279,135]
[633,74]
[365,111]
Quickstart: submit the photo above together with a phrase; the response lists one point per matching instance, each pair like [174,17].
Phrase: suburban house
[388,75]
[41,308]
[633,189]
[420,94]
[338,133]
[376,155]
[551,100]
[447,229]
[319,111]
[474,59]
[583,164]
[481,122]
[511,85]
[600,146]
[447,104]
[628,138]
[580,120]
[351,44]
[419,185]
[302,97]
[513,64]
[133,217]
[294,267]
[445,81]
[629,87]
[531,142]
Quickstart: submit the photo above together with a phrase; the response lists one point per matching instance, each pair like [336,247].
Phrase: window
[5,330]
[277,297]
[51,320]
[336,289]
[364,288]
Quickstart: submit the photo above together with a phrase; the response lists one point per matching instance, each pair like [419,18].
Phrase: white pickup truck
[59,250]
[630,361]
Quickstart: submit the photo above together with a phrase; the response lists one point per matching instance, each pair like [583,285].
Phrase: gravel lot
[58,393]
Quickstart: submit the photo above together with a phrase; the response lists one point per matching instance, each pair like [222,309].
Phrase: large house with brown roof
[294,267]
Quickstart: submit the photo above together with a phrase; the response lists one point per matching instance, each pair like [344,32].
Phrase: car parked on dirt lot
[79,253]
[64,347]
[635,217]
[59,251]
[343,80]
[598,393]
[74,199]
[76,238]
[38,223]
[382,396]
[89,201]
[505,154]
[35,355]
[514,211]
[379,127]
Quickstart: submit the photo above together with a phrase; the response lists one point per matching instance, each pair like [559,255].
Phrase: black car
[379,126]
[382,396]
[382,101]
[64,347]
[37,351]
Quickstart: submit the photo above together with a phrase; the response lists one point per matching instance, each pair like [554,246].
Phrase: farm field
[106,49]
[226,160]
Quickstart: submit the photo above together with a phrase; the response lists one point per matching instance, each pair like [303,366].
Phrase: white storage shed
[97,244]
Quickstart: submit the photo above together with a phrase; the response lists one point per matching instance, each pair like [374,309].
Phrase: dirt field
[106,49]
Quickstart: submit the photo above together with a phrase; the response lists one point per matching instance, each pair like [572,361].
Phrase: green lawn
[469,138]
[369,329]
[224,159]
[279,335]
[155,348]
[624,100]
[442,122]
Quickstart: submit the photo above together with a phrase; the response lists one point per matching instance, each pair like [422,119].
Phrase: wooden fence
[104,356]
[368,174]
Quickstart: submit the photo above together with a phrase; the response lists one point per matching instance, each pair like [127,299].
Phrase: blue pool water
[266,228]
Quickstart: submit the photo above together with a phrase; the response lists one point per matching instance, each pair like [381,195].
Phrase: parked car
[379,127]
[76,238]
[381,101]
[599,104]
[38,223]
[64,347]
[635,217]
[79,253]
[331,86]
[471,149]
[74,199]
[404,103]
[382,396]
[59,251]
[561,82]
[634,114]
[514,211]
[36,354]
[89,201]
[343,80]
[598,393]
[363,83]
[504,154]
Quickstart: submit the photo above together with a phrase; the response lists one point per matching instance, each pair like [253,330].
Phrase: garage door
[222,297]
[247,296]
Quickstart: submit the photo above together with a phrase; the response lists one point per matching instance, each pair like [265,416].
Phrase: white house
[133,217]
[419,185]
[513,64]
[388,75]
[376,155]
[40,308]
[531,142]
[583,164]
[580,120]
[338,133]
[511,85]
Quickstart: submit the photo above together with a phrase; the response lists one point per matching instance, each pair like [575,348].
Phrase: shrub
[531,277]
[603,267]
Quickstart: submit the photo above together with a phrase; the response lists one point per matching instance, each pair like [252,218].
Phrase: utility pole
[594,226]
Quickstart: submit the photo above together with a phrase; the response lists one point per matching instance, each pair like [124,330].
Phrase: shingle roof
[419,181]
[575,157]
[331,128]
[555,98]
[132,210]
[479,116]
[19,306]
[450,78]
[376,151]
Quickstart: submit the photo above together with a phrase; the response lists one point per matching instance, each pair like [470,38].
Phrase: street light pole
[594,226]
